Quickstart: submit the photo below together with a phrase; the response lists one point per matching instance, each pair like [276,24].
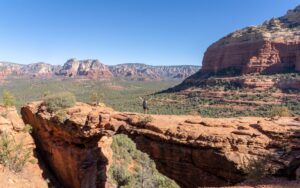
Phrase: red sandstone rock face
[270,48]
[191,150]
[79,155]
[32,175]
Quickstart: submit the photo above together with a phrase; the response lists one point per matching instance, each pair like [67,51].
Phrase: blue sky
[157,32]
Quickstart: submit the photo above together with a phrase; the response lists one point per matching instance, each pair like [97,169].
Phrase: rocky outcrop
[273,47]
[191,150]
[31,175]
[10,120]
[268,48]
[79,155]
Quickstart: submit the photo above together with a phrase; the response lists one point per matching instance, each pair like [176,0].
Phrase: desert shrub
[163,182]
[60,101]
[124,148]
[27,128]
[145,120]
[256,169]
[145,175]
[120,176]
[292,104]
[45,94]
[281,111]
[95,98]
[12,154]
[194,113]
[61,115]
[8,99]
[260,168]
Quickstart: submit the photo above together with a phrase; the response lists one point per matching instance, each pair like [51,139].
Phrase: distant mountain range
[94,69]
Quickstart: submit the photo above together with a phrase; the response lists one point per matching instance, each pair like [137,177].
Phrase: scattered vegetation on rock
[94,98]
[27,128]
[60,101]
[61,115]
[120,176]
[8,99]
[145,120]
[260,168]
[281,111]
[13,154]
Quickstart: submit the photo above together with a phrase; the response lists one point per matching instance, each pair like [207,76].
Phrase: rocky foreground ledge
[191,150]
[16,170]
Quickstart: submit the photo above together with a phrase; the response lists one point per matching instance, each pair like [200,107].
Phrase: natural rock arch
[188,166]
[192,151]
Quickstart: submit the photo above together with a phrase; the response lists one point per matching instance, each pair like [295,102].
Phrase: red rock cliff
[31,174]
[271,47]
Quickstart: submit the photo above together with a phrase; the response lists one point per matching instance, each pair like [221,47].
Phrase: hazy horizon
[170,65]
[116,32]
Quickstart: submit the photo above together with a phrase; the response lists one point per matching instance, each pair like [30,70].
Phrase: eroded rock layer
[191,150]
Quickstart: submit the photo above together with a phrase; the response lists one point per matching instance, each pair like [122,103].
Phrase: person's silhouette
[145,105]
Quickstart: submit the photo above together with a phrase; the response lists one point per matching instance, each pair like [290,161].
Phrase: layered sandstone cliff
[191,150]
[268,48]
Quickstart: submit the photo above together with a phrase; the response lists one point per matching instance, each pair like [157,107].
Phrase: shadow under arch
[189,167]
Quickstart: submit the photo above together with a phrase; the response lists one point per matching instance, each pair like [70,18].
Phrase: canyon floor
[216,97]
[122,95]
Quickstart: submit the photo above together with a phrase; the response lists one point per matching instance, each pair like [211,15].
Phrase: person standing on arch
[145,104]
